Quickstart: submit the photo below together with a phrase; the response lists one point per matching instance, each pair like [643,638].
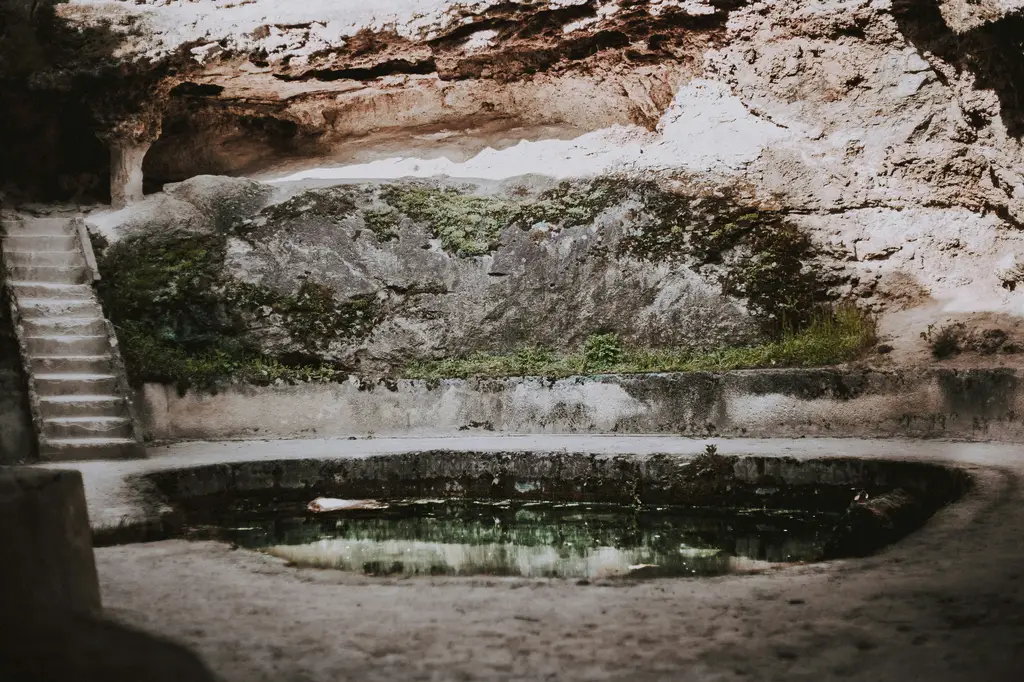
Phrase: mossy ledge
[832,337]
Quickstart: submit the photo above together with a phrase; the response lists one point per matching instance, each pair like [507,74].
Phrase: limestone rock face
[478,269]
[888,132]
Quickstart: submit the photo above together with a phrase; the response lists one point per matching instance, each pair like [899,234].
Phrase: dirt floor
[947,603]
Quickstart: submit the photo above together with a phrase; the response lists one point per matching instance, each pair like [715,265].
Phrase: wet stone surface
[520,538]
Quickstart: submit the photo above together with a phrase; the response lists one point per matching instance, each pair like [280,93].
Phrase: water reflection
[461,537]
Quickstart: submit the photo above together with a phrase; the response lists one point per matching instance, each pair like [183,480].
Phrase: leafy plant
[601,352]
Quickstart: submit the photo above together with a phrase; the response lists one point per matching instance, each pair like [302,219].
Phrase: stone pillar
[46,558]
[128,137]
[126,157]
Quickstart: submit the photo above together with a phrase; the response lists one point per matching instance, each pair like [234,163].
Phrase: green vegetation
[601,351]
[180,320]
[763,258]
[762,255]
[574,203]
[312,317]
[831,338]
[336,202]
[383,223]
[467,225]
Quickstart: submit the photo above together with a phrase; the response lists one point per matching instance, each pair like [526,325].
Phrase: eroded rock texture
[370,276]
[884,136]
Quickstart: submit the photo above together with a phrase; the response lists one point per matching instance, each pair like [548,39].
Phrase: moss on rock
[313,317]
[183,318]
[763,258]
[180,319]
[466,224]
[573,204]
[335,202]
[383,222]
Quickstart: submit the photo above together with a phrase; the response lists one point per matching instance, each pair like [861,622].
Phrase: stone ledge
[980,404]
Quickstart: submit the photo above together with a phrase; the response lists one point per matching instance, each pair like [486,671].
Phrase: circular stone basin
[568,515]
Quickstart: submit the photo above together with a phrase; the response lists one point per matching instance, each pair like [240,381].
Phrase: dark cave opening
[48,147]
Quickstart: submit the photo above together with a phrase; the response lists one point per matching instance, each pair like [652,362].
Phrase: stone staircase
[78,390]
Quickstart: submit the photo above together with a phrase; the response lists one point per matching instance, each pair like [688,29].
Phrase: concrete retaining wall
[970,404]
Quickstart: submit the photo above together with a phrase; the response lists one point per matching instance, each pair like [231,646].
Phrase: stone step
[69,326]
[66,344]
[87,427]
[49,274]
[58,307]
[75,384]
[73,449]
[82,406]
[65,259]
[38,226]
[50,290]
[71,364]
[36,242]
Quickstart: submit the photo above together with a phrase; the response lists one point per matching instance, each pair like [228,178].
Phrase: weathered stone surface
[888,131]
[967,404]
[44,530]
[417,271]
[199,205]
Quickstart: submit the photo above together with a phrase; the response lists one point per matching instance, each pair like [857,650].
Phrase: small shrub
[601,352]
[947,341]
[953,339]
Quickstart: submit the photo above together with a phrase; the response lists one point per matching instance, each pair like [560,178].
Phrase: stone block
[47,558]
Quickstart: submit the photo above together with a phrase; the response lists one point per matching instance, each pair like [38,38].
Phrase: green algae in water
[531,539]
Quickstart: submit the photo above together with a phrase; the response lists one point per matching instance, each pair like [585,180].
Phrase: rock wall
[368,277]
[17,437]
[886,134]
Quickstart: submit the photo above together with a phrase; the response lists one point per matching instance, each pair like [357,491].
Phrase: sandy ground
[947,603]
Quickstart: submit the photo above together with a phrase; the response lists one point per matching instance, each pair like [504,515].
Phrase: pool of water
[532,539]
